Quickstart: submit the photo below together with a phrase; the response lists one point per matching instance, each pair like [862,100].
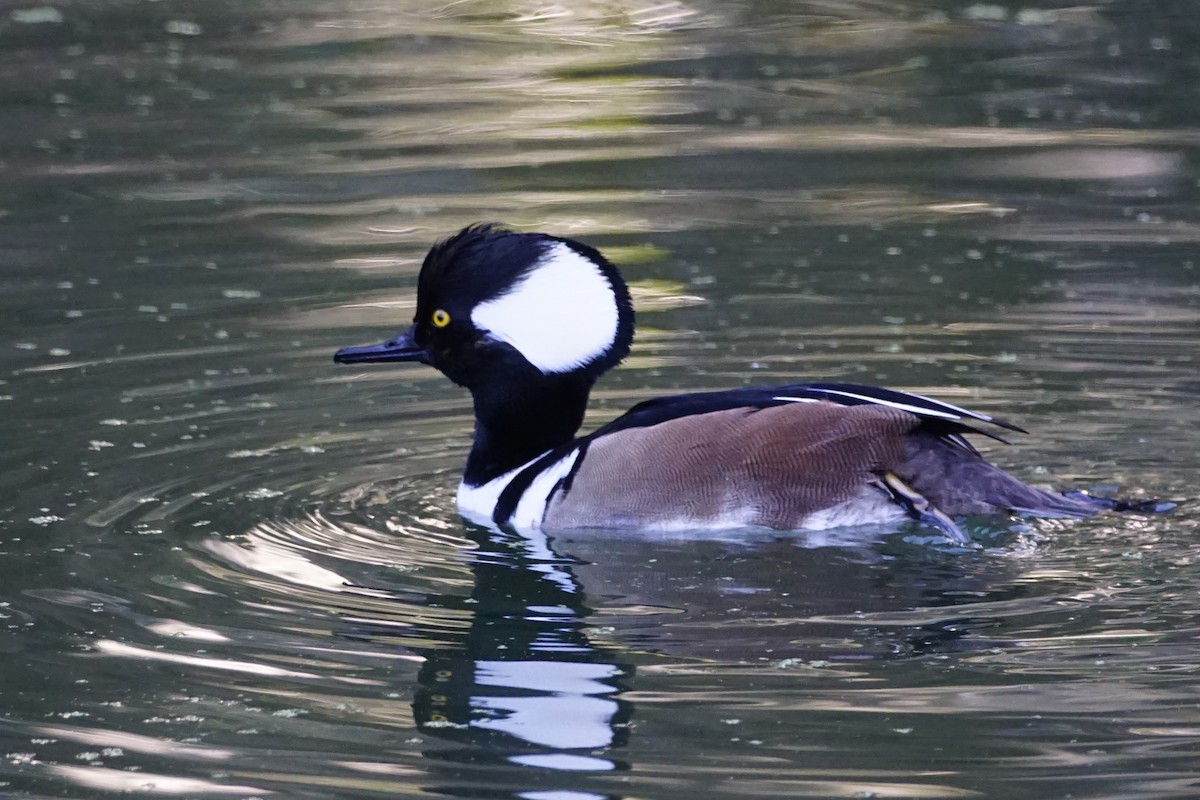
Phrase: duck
[527,323]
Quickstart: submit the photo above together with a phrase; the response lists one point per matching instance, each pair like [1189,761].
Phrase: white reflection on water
[565,714]
[563,794]
[270,559]
[184,630]
[110,648]
[566,762]
[1082,164]
[134,743]
[114,780]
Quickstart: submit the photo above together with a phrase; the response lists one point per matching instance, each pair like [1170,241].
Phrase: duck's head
[495,307]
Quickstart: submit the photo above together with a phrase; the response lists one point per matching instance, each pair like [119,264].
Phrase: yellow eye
[440,318]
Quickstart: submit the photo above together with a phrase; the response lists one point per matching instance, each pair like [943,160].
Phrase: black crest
[484,260]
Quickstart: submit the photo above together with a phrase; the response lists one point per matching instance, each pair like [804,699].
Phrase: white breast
[477,503]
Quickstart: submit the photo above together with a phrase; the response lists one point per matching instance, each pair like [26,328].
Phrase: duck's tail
[959,481]
[1122,504]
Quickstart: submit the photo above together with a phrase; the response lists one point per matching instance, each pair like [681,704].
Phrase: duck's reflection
[526,681]
[538,677]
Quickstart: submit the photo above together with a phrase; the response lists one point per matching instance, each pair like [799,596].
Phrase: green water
[228,568]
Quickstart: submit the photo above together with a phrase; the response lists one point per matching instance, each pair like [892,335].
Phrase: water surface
[231,569]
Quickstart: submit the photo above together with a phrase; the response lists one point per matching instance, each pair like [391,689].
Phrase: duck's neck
[514,426]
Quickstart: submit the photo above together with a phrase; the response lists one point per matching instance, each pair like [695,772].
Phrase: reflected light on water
[183,630]
[562,794]
[565,714]
[112,780]
[135,743]
[278,562]
[120,650]
[1065,163]
[566,762]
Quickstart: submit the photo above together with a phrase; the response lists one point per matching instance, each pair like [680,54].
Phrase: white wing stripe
[918,410]
[963,411]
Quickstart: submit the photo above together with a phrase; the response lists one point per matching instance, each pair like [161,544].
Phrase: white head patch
[560,316]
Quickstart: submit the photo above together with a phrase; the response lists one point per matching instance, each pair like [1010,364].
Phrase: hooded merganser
[527,322]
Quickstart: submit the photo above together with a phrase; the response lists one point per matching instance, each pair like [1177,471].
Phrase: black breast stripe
[510,497]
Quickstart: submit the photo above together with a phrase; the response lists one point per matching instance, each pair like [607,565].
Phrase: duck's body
[527,322]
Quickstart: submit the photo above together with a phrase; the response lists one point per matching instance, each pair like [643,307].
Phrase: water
[232,569]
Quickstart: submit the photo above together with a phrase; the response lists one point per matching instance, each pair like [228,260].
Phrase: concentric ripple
[268,565]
